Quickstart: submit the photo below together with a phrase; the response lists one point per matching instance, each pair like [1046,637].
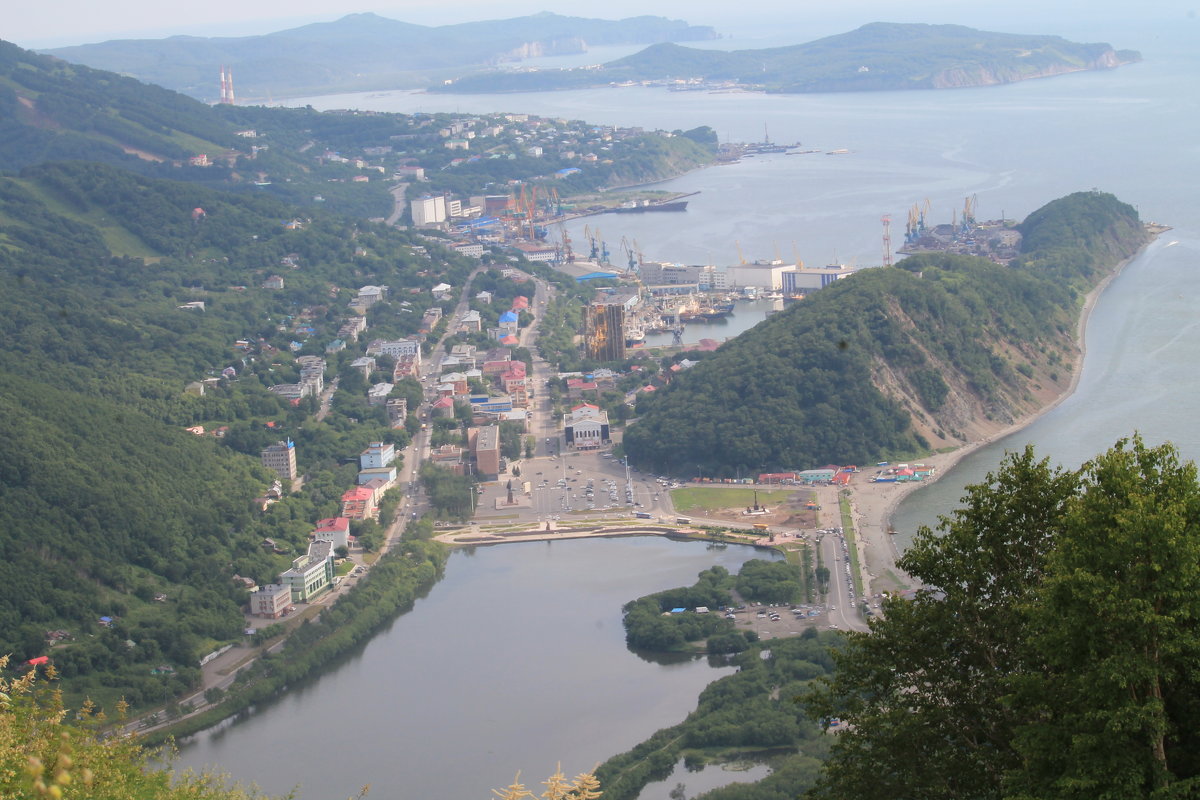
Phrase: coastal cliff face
[983,75]
[564,46]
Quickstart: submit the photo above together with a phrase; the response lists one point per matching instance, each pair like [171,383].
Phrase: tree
[922,692]
[1111,712]
[1053,651]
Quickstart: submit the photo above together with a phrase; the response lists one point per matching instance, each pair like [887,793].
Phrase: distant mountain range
[363,51]
[876,57]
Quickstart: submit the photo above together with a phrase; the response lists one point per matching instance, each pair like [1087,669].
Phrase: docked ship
[642,206]
[634,337]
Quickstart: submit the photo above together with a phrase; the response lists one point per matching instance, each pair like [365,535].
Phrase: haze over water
[1130,132]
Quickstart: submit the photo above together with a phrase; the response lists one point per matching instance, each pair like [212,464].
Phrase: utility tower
[887,240]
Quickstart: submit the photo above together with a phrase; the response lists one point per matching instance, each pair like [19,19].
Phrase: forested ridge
[109,507]
[891,362]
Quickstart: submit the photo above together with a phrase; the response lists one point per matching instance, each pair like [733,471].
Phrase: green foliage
[451,496]
[770,582]
[1051,654]
[750,710]
[804,387]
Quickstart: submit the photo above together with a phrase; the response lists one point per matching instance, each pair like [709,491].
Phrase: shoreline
[872,512]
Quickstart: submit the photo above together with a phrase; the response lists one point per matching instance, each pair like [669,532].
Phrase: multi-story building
[429,210]
[281,458]
[487,452]
[335,530]
[586,427]
[358,503]
[311,574]
[271,601]
[377,454]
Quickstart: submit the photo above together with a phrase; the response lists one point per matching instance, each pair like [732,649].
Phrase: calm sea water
[516,659]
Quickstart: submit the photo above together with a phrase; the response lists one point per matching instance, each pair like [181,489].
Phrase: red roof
[333,524]
[585,405]
[510,339]
[520,302]
[445,402]
[40,660]
[358,493]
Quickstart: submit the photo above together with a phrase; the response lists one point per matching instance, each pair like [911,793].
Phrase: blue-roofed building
[591,276]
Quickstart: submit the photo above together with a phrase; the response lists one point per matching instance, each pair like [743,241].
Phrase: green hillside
[890,362]
[363,51]
[108,506]
[876,57]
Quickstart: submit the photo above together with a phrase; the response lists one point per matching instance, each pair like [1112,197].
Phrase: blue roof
[509,316]
[678,610]
[594,275]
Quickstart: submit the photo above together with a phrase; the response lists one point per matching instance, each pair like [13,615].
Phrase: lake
[516,660]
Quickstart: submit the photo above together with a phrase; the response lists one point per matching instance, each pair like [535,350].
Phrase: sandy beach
[873,504]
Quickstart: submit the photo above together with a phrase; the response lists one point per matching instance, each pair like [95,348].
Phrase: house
[377,395]
[273,282]
[271,601]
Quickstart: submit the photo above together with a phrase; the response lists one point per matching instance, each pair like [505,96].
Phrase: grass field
[706,498]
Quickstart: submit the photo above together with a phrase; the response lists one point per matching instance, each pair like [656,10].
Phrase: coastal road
[841,603]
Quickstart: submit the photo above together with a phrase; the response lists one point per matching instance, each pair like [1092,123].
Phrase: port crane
[592,237]
[632,252]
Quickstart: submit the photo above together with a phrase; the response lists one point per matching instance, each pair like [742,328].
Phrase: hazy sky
[54,23]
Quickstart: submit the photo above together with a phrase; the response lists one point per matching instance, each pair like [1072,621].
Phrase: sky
[57,23]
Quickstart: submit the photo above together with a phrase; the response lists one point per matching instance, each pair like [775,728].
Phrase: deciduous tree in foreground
[1053,653]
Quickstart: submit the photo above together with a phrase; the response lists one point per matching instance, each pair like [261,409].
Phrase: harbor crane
[629,250]
[738,245]
[591,237]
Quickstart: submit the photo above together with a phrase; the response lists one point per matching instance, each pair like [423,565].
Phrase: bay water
[516,659]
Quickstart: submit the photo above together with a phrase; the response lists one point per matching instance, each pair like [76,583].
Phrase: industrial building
[605,331]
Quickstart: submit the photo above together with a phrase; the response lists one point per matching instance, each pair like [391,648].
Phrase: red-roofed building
[359,503]
[520,303]
[335,530]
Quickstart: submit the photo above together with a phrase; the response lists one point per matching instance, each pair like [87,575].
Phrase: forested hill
[108,506]
[364,51]
[876,57]
[892,362]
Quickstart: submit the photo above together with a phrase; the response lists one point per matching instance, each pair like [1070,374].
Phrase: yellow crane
[738,245]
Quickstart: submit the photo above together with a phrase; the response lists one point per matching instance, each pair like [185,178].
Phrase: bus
[643,515]
[683,520]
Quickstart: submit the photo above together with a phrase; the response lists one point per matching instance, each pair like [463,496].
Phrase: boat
[643,206]
[634,337]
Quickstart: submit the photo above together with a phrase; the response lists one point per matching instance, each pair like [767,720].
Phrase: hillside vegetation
[892,362]
[876,57]
[109,508]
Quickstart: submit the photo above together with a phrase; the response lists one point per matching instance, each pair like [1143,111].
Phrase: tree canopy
[1052,651]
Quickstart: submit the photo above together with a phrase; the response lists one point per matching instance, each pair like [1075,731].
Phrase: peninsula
[880,56]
